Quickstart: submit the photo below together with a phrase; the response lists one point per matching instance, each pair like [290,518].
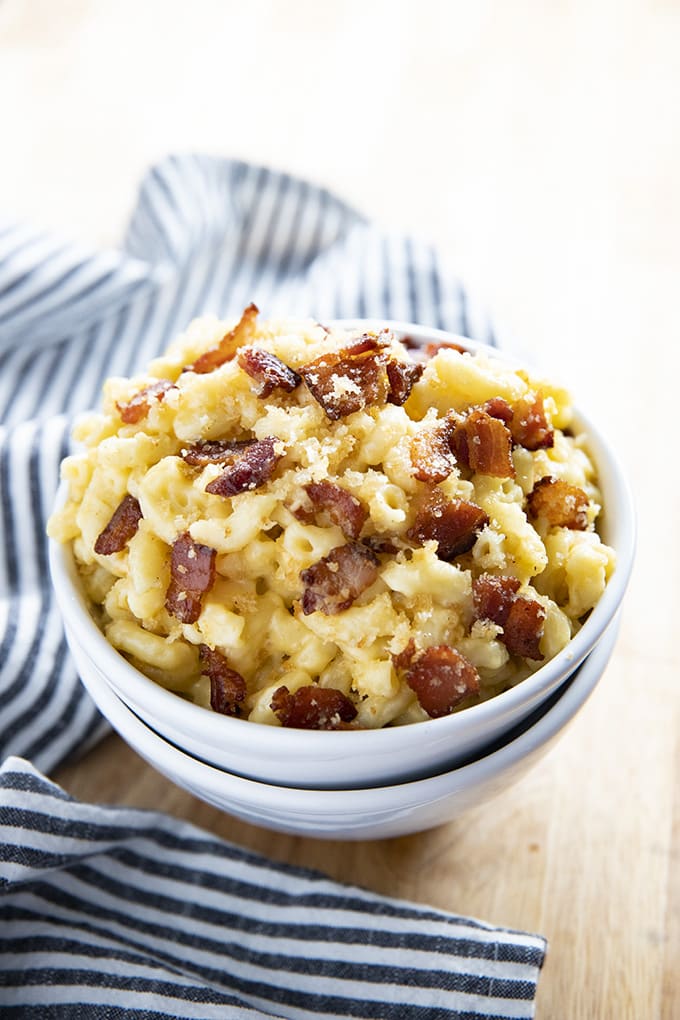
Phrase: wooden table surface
[538,146]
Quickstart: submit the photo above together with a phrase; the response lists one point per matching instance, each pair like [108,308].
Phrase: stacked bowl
[357,784]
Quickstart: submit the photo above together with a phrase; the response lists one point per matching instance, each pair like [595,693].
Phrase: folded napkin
[112,912]
[207,235]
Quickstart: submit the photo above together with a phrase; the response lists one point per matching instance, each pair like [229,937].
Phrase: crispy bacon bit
[493,595]
[459,440]
[402,377]
[404,658]
[431,454]
[529,425]
[192,573]
[380,544]
[498,408]
[313,708]
[343,508]
[120,529]
[140,405]
[214,451]
[434,347]
[453,524]
[563,505]
[333,583]
[522,619]
[442,678]
[268,371]
[227,687]
[241,334]
[303,513]
[487,446]
[523,628]
[348,380]
[251,466]
[280,700]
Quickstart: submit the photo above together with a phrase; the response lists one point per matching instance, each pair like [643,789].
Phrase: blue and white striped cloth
[113,912]
[105,912]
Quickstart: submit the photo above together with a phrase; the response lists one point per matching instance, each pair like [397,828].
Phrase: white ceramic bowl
[345,759]
[376,813]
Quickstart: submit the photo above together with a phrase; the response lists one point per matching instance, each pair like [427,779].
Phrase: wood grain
[537,146]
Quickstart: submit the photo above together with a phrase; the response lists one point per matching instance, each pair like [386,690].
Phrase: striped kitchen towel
[108,912]
[207,235]
[112,912]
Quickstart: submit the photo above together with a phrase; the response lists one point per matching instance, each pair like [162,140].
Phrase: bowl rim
[397,796]
[155,697]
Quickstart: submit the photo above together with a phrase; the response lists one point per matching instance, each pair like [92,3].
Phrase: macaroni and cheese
[309,527]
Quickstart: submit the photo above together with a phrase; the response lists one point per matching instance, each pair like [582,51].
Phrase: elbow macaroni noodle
[252,613]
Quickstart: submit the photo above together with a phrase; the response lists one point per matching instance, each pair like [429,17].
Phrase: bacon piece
[499,408]
[251,466]
[120,529]
[348,380]
[227,687]
[343,508]
[242,333]
[214,451]
[453,524]
[304,514]
[428,350]
[459,440]
[529,425]
[402,377]
[435,346]
[404,658]
[380,544]
[487,446]
[442,678]
[313,708]
[524,627]
[335,581]
[192,573]
[431,455]
[268,371]
[563,505]
[139,406]
[493,596]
